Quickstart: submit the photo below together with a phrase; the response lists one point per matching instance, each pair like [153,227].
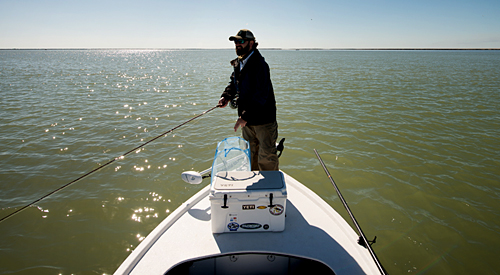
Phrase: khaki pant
[262,139]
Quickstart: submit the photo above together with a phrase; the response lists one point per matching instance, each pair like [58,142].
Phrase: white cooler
[248,201]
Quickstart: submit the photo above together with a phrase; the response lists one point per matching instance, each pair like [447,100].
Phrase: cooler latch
[225,202]
[271,200]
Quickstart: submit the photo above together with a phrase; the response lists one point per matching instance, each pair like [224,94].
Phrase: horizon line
[280,49]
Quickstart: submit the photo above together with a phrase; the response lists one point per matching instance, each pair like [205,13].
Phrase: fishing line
[106,164]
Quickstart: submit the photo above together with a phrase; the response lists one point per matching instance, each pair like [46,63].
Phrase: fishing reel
[233,103]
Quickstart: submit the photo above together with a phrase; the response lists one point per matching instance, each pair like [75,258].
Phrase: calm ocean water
[412,138]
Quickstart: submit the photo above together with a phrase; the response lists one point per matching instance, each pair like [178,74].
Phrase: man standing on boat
[251,91]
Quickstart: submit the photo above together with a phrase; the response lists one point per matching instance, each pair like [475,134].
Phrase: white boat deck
[312,229]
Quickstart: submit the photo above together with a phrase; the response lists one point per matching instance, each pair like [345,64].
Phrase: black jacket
[256,102]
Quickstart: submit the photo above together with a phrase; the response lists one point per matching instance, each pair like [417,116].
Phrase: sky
[290,24]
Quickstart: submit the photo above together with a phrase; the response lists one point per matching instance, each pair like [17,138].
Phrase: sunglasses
[239,41]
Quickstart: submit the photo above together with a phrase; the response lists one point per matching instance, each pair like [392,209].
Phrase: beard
[241,51]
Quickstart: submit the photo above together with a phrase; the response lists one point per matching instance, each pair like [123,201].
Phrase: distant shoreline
[405,49]
[275,49]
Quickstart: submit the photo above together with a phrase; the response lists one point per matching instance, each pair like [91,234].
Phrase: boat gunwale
[136,256]
[358,254]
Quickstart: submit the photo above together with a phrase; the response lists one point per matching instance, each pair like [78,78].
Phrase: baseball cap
[243,34]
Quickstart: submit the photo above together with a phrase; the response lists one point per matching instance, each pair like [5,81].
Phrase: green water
[410,137]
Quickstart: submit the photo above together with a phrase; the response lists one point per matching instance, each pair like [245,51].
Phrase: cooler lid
[249,180]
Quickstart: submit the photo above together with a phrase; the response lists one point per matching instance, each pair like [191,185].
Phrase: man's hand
[223,102]
[239,123]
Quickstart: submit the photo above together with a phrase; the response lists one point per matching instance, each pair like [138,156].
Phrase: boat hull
[313,230]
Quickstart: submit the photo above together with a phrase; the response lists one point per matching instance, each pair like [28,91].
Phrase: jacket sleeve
[230,91]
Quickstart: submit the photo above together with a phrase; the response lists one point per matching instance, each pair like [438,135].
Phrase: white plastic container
[248,201]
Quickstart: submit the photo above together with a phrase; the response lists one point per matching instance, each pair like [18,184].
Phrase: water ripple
[411,138]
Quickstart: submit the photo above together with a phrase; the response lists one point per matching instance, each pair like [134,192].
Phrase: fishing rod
[362,239]
[106,164]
